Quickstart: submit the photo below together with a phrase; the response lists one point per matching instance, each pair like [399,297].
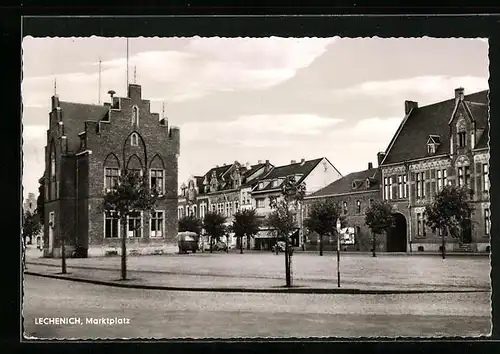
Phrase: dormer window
[353,185]
[134,139]
[431,149]
[432,144]
[261,185]
[367,183]
[275,183]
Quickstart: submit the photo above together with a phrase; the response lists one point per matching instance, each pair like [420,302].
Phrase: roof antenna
[135,74]
[127,67]
[55,86]
[99,84]
[163,109]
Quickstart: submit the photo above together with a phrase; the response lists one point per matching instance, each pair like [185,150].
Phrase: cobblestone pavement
[177,314]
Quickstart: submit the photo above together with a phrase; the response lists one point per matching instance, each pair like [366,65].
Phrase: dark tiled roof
[288,170]
[74,115]
[250,171]
[432,119]
[484,138]
[345,184]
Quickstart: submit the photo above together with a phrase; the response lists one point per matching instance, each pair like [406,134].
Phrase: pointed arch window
[135,115]
[134,139]
[52,169]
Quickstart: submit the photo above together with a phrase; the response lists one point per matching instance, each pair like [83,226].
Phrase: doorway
[396,237]
[467,231]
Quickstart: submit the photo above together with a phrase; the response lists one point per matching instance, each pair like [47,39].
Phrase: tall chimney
[370,165]
[302,161]
[380,157]
[459,94]
[409,105]
[292,162]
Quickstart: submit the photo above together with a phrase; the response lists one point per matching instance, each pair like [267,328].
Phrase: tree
[214,225]
[40,201]
[129,198]
[322,219]
[31,225]
[245,223]
[448,212]
[379,218]
[190,223]
[283,219]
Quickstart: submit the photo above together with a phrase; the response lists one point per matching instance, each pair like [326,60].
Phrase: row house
[314,174]
[88,147]
[436,145]
[353,193]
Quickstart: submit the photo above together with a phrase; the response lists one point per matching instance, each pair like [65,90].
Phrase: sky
[250,99]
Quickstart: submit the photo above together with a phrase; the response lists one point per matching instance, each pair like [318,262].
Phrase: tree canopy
[448,210]
[379,218]
[323,217]
[31,225]
[214,225]
[245,223]
[190,223]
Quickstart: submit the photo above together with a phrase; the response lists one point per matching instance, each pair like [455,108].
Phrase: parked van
[188,241]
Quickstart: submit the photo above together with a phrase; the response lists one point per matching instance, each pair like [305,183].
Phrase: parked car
[220,246]
[281,246]
[188,241]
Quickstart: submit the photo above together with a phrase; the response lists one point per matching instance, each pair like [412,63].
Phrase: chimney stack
[55,101]
[459,94]
[302,161]
[370,165]
[247,165]
[409,105]
[292,162]
[380,157]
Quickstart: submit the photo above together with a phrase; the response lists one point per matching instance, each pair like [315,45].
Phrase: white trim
[104,228]
[84,152]
[163,179]
[142,226]
[82,133]
[162,224]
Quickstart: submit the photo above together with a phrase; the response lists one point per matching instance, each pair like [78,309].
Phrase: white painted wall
[320,178]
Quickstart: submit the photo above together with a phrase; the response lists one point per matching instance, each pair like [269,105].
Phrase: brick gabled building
[353,193]
[439,144]
[88,146]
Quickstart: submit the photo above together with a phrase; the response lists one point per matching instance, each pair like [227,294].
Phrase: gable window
[400,187]
[111,225]
[275,183]
[405,186]
[462,139]
[134,226]
[157,224]
[134,139]
[431,148]
[358,206]
[487,221]
[156,180]
[345,207]
[111,178]
[135,115]
[486,178]
[260,202]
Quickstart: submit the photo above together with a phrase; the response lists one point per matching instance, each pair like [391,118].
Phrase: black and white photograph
[227,188]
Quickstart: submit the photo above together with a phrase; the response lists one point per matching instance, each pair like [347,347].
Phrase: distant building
[314,174]
[30,205]
[88,147]
[353,193]
[435,145]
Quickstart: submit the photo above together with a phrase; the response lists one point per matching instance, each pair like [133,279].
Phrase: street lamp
[338,252]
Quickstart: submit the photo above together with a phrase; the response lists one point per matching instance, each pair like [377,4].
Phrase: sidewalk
[155,279]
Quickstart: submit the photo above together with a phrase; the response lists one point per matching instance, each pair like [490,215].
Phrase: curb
[346,291]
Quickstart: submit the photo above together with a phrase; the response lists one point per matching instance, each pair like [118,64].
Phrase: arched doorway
[396,238]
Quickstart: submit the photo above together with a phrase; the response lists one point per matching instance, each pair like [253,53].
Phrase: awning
[265,234]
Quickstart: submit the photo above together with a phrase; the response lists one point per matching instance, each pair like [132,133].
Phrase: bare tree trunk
[63,255]
[248,242]
[241,245]
[321,244]
[374,243]
[211,244]
[276,247]
[287,264]
[443,244]
[124,250]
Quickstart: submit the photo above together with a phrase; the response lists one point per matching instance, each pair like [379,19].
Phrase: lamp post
[338,252]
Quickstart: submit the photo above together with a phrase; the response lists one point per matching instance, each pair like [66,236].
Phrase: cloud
[437,87]
[201,67]
[258,130]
